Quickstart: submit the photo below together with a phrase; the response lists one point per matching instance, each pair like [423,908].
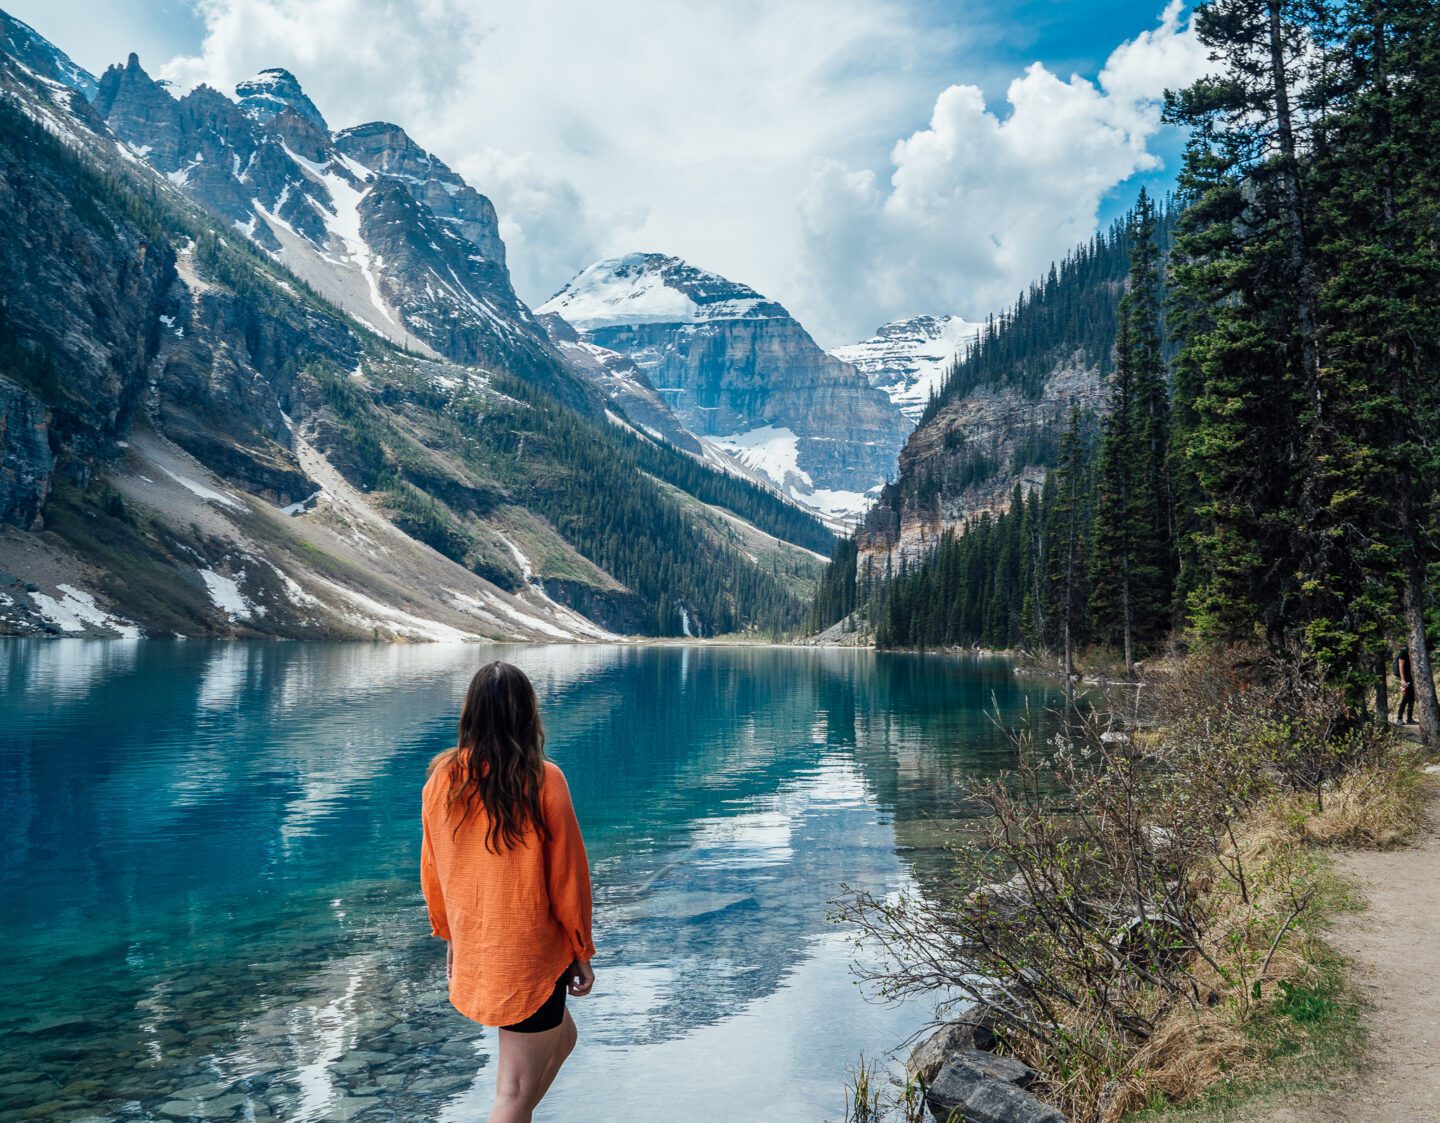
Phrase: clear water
[210,900]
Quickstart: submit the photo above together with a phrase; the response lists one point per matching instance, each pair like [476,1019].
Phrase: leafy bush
[1134,899]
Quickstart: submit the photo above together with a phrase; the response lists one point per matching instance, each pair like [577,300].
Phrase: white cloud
[697,129]
[544,221]
[977,206]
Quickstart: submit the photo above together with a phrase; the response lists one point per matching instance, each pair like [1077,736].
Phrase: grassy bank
[1152,939]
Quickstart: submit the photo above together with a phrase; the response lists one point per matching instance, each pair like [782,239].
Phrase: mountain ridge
[742,374]
[997,421]
[240,457]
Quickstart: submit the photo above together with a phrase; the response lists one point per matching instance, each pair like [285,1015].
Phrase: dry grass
[1377,806]
[1269,1012]
[1243,975]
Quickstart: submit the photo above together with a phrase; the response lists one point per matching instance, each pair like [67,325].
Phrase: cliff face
[998,420]
[81,290]
[26,462]
[738,369]
[968,457]
[622,381]
[370,220]
[388,150]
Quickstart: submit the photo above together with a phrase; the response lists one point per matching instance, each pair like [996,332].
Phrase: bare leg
[564,1046]
[528,1064]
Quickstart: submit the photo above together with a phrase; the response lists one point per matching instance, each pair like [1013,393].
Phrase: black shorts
[550,1014]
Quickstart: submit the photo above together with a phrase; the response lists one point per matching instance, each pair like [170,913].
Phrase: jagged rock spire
[273,91]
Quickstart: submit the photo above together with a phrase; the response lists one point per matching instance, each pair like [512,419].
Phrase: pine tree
[1069,525]
[1380,306]
[1132,567]
[1244,256]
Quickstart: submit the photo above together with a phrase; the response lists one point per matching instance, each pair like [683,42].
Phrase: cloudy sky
[858,160]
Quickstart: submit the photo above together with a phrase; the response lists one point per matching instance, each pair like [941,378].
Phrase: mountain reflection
[210,854]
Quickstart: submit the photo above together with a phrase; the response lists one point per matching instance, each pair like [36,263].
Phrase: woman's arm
[430,885]
[567,867]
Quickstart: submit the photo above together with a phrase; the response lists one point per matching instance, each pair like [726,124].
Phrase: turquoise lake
[210,852]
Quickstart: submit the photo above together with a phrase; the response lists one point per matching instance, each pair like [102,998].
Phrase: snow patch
[197,488]
[845,505]
[76,611]
[544,627]
[383,617]
[298,596]
[225,595]
[344,225]
[771,450]
[527,570]
[303,505]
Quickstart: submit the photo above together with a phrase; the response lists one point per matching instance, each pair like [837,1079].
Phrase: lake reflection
[210,851]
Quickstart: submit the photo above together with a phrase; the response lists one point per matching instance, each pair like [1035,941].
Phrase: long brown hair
[500,756]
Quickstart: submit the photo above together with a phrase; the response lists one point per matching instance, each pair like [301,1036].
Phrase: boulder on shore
[974,1032]
[984,1087]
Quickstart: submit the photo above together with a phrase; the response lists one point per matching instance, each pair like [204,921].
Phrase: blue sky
[856,159]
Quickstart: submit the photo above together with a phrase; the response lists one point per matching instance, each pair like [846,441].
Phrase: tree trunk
[1070,618]
[1125,613]
[1069,670]
[1420,669]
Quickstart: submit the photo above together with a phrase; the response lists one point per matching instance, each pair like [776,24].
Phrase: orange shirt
[516,919]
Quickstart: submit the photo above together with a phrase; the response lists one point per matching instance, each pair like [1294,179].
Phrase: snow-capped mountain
[199,435]
[742,374]
[907,359]
[23,42]
[366,217]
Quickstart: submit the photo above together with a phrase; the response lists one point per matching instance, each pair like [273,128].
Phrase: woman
[507,885]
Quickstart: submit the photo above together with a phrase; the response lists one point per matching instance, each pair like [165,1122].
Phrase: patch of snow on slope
[847,506]
[225,595]
[344,226]
[527,570]
[303,505]
[770,449]
[379,616]
[197,488]
[298,596]
[620,423]
[525,619]
[76,611]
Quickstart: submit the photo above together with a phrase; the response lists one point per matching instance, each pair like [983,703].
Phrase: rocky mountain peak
[23,42]
[654,288]
[140,112]
[907,359]
[742,374]
[273,91]
[387,149]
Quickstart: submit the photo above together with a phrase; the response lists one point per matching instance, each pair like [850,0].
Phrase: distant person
[507,885]
[1405,715]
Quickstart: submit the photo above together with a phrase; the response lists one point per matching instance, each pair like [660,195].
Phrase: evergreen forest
[1268,466]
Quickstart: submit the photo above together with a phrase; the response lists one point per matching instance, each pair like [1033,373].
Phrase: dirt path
[1395,946]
